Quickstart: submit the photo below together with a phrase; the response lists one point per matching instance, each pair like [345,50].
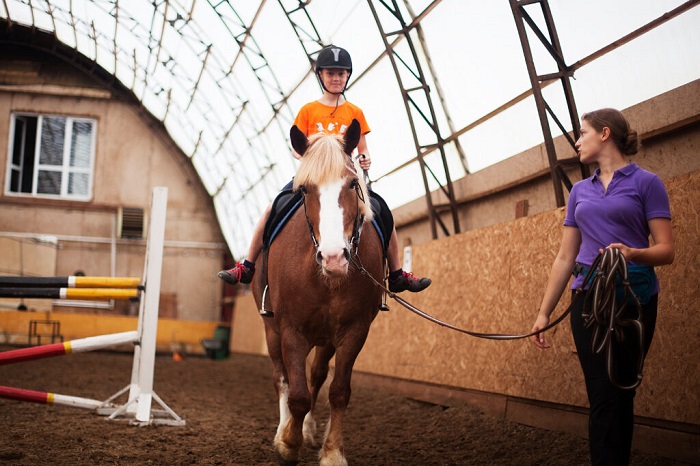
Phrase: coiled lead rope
[606,316]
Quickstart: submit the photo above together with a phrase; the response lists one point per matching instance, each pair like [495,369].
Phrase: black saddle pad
[287,202]
[383,220]
[284,205]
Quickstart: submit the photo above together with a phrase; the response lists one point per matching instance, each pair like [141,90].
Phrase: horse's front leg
[339,392]
[295,395]
[279,377]
[319,373]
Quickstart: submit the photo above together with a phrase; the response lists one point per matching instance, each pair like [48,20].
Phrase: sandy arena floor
[231,414]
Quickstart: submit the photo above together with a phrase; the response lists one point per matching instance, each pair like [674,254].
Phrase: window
[51,156]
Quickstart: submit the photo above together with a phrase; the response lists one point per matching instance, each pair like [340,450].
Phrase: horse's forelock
[323,162]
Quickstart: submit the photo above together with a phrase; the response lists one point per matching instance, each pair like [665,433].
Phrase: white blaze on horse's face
[333,246]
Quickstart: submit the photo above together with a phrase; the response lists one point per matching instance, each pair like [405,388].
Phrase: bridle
[358,222]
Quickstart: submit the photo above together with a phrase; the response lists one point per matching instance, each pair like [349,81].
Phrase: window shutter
[131,223]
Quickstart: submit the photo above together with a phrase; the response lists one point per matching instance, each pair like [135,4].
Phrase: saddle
[287,202]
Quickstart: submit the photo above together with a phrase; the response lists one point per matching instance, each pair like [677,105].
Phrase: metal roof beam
[428,115]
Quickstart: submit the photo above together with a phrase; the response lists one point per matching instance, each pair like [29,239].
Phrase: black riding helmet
[333,57]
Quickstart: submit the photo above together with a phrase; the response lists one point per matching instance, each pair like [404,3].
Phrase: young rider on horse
[333,114]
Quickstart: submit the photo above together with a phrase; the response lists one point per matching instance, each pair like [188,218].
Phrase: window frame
[65,168]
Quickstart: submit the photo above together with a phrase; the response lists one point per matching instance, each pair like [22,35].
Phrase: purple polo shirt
[618,215]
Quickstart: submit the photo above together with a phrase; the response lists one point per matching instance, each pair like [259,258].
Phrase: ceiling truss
[404,46]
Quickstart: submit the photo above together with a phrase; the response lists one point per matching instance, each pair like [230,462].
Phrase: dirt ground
[231,414]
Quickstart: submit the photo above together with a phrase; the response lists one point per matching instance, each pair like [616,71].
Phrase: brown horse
[318,297]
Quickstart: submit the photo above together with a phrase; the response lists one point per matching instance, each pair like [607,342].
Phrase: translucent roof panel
[226,78]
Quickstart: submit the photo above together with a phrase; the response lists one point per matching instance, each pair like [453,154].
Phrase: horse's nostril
[319,257]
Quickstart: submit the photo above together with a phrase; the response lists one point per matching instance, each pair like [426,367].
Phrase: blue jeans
[611,419]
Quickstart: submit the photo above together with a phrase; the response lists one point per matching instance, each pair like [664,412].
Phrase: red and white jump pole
[75,346]
[141,394]
[59,349]
[20,394]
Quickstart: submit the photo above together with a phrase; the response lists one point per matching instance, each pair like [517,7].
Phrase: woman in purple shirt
[618,207]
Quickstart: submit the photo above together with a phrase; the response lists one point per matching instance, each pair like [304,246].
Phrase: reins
[489,336]
[302,189]
[605,312]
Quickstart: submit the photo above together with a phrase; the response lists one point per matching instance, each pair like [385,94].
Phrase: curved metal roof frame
[197,80]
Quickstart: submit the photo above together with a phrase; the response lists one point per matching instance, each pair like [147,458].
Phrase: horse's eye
[354,184]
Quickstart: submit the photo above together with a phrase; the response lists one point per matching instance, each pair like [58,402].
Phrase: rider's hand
[539,340]
[365,161]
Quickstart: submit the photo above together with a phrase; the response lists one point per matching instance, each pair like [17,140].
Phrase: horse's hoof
[285,455]
[284,462]
[309,431]
[332,458]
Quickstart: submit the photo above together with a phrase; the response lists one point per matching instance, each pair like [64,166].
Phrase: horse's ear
[352,136]
[299,141]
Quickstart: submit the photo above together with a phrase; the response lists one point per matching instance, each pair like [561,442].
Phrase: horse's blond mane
[325,161]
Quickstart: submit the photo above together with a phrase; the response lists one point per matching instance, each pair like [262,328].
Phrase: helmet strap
[337,99]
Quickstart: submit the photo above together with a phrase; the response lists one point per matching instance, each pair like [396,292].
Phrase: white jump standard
[138,408]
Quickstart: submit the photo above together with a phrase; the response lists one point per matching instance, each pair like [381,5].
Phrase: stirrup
[264,312]
[383,306]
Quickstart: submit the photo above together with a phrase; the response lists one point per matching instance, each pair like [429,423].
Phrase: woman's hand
[539,340]
[661,252]
[558,278]
[626,251]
